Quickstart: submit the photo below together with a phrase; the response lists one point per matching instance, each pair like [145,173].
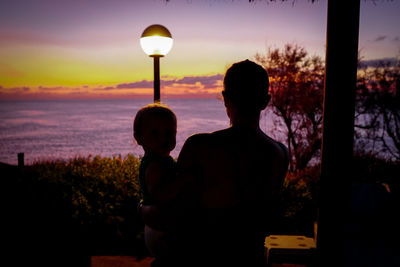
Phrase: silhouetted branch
[296,86]
[378,108]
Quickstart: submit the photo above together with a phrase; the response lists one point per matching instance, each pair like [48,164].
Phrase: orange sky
[73,49]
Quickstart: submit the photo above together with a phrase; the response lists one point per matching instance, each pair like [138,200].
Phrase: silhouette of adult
[238,173]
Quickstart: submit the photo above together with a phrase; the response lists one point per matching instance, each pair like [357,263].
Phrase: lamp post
[156,41]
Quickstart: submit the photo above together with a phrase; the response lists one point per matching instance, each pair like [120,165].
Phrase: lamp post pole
[156,41]
[156,78]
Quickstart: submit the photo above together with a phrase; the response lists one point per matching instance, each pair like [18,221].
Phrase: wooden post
[338,130]
[21,162]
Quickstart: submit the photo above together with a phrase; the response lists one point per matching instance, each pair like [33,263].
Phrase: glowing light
[156,45]
[156,40]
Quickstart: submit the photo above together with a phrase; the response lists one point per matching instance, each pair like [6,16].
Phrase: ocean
[64,129]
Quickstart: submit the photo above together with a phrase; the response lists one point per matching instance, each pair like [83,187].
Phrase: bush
[301,189]
[368,168]
[299,201]
[101,193]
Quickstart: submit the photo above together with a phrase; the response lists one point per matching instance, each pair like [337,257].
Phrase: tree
[378,110]
[296,87]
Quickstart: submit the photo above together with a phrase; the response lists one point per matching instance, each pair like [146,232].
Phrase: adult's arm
[190,170]
[164,217]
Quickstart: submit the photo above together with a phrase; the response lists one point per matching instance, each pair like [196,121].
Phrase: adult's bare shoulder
[200,142]
[278,148]
[197,139]
[193,144]
[279,158]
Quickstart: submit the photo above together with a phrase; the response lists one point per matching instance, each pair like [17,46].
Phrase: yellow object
[289,249]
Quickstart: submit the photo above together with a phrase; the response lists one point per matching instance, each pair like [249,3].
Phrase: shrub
[299,201]
[101,193]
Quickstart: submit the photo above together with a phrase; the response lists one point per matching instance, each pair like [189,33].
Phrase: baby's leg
[155,241]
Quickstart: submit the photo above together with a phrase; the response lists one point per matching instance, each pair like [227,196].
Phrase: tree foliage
[378,110]
[296,87]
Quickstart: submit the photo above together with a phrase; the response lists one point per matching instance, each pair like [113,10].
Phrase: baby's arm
[162,190]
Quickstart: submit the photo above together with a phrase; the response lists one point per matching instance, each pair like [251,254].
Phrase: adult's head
[246,87]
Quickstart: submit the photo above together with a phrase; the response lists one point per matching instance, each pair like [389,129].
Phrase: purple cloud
[187,84]
[16,89]
[380,38]
[58,88]
[49,88]
[207,81]
[139,84]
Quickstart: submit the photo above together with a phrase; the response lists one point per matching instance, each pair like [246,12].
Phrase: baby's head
[154,128]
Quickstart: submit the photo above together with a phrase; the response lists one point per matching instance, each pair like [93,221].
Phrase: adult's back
[235,167]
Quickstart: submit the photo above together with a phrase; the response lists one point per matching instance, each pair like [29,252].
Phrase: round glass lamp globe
[156,40]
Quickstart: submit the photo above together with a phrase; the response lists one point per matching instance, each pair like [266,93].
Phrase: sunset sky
[87,48]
